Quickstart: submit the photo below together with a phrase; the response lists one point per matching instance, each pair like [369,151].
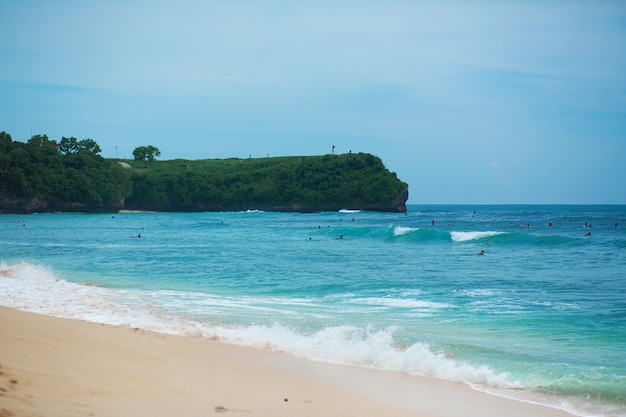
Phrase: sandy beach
[62,367]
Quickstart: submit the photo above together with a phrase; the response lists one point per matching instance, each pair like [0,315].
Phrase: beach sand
[61,367]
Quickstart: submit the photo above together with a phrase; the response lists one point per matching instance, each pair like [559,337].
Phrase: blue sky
[475,102]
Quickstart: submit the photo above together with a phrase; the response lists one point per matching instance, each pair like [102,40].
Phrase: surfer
[339,238]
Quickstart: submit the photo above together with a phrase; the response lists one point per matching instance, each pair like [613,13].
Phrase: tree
[68,145]
[146,153]
[39,141]
[72,145]
[5,142]
[90,145]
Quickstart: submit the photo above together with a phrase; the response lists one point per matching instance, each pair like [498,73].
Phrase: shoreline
[65,367]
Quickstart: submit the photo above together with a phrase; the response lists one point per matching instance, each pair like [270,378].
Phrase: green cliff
[38,176]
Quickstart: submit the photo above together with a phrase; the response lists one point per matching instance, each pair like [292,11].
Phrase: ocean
[539,317]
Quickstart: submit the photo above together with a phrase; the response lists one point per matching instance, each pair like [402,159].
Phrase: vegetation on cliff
[296,183]
[42,175]
[45,175]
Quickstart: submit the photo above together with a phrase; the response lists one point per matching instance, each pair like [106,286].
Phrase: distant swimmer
[588,234]
[432,222]
[339,238]
[481,253]
[586,224]
[550,224]
[616,225]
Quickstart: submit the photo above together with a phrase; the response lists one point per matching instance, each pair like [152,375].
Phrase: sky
[469,102]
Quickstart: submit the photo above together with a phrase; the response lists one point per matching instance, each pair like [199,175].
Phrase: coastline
[65,367]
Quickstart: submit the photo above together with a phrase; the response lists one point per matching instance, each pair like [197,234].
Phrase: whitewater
[527,302]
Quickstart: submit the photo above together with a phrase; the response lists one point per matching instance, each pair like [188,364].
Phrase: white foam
[468,236]
[402,303]
[484,292]
[349,345]
[400,230]
[37,289]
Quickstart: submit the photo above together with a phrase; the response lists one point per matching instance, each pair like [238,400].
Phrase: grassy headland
[297,183]
[40,175]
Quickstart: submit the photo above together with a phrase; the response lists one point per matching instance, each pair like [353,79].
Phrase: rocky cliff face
[11,204]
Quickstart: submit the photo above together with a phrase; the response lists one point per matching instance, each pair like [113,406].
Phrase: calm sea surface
[541,316]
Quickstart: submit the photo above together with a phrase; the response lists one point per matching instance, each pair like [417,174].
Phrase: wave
[367,347]
[509,238]
[401,303]
[390,233]
[468,236]
[419,235]
[38,289]
[399,230]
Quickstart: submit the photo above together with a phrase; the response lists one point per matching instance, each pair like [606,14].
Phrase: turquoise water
[541,316]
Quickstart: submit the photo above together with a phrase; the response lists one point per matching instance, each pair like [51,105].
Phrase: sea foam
[400,230]
[468,236]
[37,289]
